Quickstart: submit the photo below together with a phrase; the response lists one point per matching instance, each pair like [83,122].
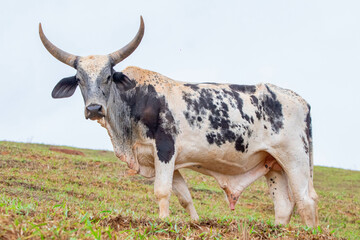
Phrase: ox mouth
[98,117]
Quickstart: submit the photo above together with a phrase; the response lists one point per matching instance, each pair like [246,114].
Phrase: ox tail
[311,158]
[308,132]
[312,192]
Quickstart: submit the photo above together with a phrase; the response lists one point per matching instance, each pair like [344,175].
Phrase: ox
[234,133]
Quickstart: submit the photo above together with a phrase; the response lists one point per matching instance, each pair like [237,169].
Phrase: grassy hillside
[88,194]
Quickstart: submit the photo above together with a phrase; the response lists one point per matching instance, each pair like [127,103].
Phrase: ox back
[219,127]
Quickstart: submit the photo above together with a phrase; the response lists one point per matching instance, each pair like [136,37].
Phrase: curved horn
[59,54]
[123,53]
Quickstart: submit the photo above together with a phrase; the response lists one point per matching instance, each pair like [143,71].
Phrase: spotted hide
[234,133]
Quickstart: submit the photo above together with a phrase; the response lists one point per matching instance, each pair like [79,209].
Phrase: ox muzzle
[94,112]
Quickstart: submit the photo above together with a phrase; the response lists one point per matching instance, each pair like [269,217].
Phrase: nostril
[94,108]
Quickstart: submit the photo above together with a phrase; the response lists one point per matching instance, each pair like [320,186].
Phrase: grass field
[88,194]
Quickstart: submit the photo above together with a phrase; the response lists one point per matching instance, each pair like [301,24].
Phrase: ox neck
[120,126]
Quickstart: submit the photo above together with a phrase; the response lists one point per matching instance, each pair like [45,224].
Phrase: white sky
[311,47]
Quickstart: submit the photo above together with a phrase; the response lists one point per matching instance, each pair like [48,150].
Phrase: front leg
[163,184]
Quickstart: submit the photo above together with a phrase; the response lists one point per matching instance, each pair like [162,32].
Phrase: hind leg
[296,166]
[183,194]
[279,191]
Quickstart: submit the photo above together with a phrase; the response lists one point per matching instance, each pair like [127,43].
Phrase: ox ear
[65,88]
[123,82]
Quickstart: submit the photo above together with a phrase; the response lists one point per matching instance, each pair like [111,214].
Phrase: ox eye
[107,79]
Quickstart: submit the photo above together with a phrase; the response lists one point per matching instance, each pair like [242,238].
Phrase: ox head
[95,74]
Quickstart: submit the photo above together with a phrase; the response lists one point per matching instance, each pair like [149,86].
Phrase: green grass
[48,194]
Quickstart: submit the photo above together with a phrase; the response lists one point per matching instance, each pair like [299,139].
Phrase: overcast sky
[311,47]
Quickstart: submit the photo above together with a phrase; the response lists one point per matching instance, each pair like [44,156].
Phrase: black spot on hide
[306,147]
[192,86]
[164,145]
[254,100]
[243,88]
[213,106]
[269,109]
[196,87]
[239,144]
[308,129]
[123,82]
[147,107]
[212,83]
[240,104]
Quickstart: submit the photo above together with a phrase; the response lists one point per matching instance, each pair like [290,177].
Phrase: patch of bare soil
[103,152]
[67,151]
